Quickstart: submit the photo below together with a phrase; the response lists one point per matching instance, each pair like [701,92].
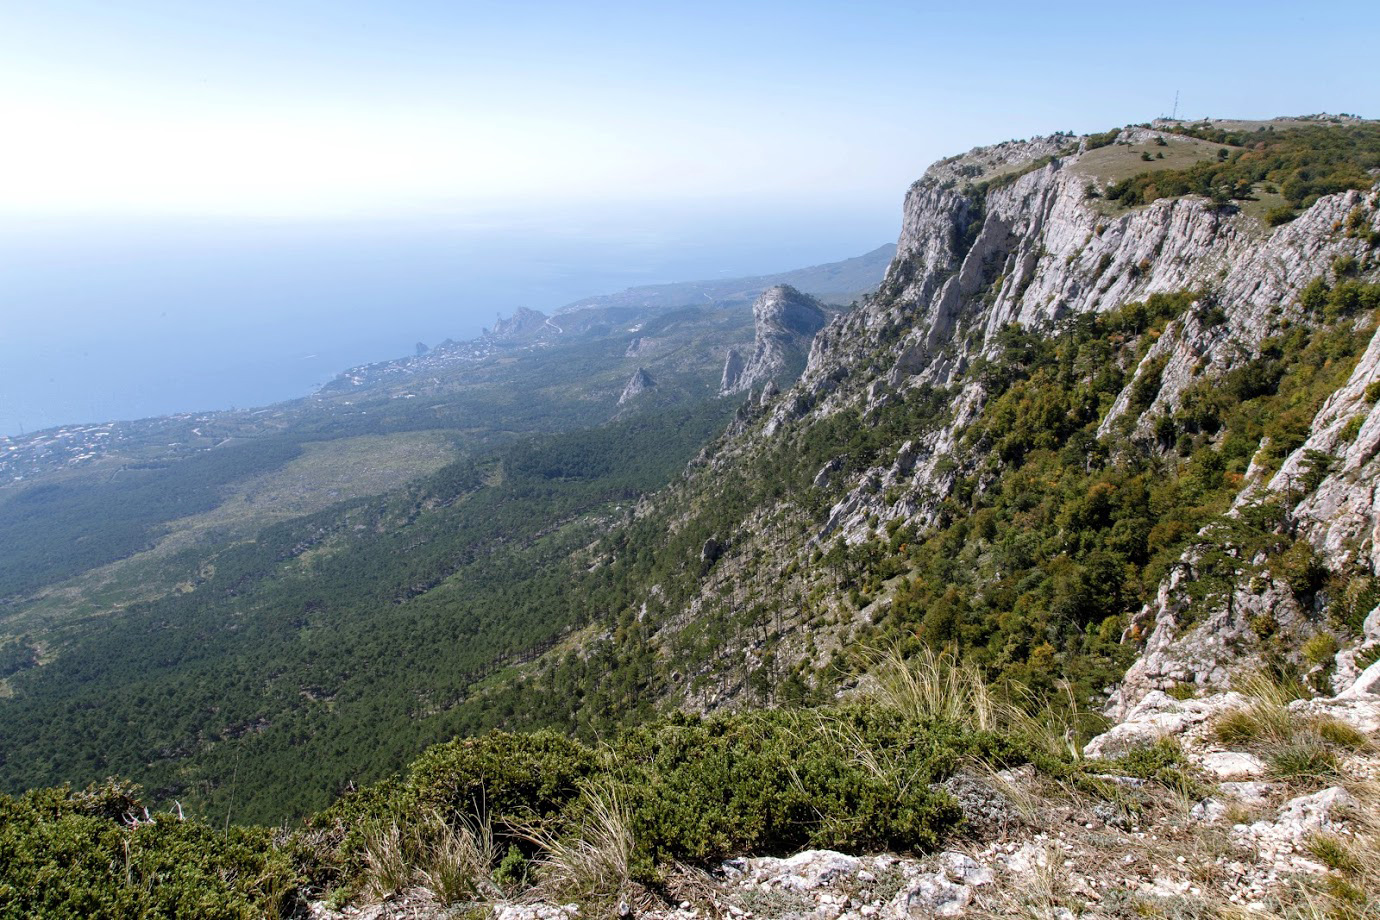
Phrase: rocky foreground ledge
[1260,814]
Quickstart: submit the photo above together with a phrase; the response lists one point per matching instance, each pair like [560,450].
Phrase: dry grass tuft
[1044,892]
[596,863]
[1267,719]
[1342,734]
[456,862]
[388,866]
[1303,760]
[937,686]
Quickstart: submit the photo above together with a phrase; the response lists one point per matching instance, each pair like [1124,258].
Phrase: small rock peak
[638,383]
[784,309]
[785,322]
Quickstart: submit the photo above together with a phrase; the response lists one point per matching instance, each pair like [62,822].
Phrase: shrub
[1147,384]
[1345,265]
[512,778]
[780,781]
[1351,429]
[1301,568]
[65,854]
[1102,139]
[1319,648]
[1162,762]
[1281,214]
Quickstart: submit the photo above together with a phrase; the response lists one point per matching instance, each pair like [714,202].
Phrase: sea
[106,319]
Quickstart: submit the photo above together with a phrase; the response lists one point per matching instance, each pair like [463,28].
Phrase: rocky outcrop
[786,322]
[523,324]
[1035,251]
[733,370]
[1009,235]
[639,383]
[642,346]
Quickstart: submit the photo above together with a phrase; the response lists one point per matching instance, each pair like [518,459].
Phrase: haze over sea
[183,186]
[118,320]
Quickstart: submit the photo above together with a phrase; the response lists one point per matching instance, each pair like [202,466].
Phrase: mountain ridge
[1071,522]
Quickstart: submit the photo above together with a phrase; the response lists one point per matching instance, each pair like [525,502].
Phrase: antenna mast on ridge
[1175,116]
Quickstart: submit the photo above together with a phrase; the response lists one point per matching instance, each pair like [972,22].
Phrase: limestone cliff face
[988,242]
[733,371]
[786,322]
[1339,517]
[1039,252]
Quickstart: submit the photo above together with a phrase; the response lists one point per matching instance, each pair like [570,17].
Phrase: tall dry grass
[939,686]
[595,863]
[455,861]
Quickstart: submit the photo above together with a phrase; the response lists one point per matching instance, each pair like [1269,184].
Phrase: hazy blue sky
[207,203]
[341,107]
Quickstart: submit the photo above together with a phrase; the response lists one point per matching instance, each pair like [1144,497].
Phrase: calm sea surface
[111,320]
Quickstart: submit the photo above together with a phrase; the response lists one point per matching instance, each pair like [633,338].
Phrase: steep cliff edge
[1041,253]
[1004,253]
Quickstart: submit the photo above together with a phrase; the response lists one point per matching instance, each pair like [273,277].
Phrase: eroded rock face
[1157,716]
[977,255]
[733,370]
[786,322]
[639,383]
[1339,516]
